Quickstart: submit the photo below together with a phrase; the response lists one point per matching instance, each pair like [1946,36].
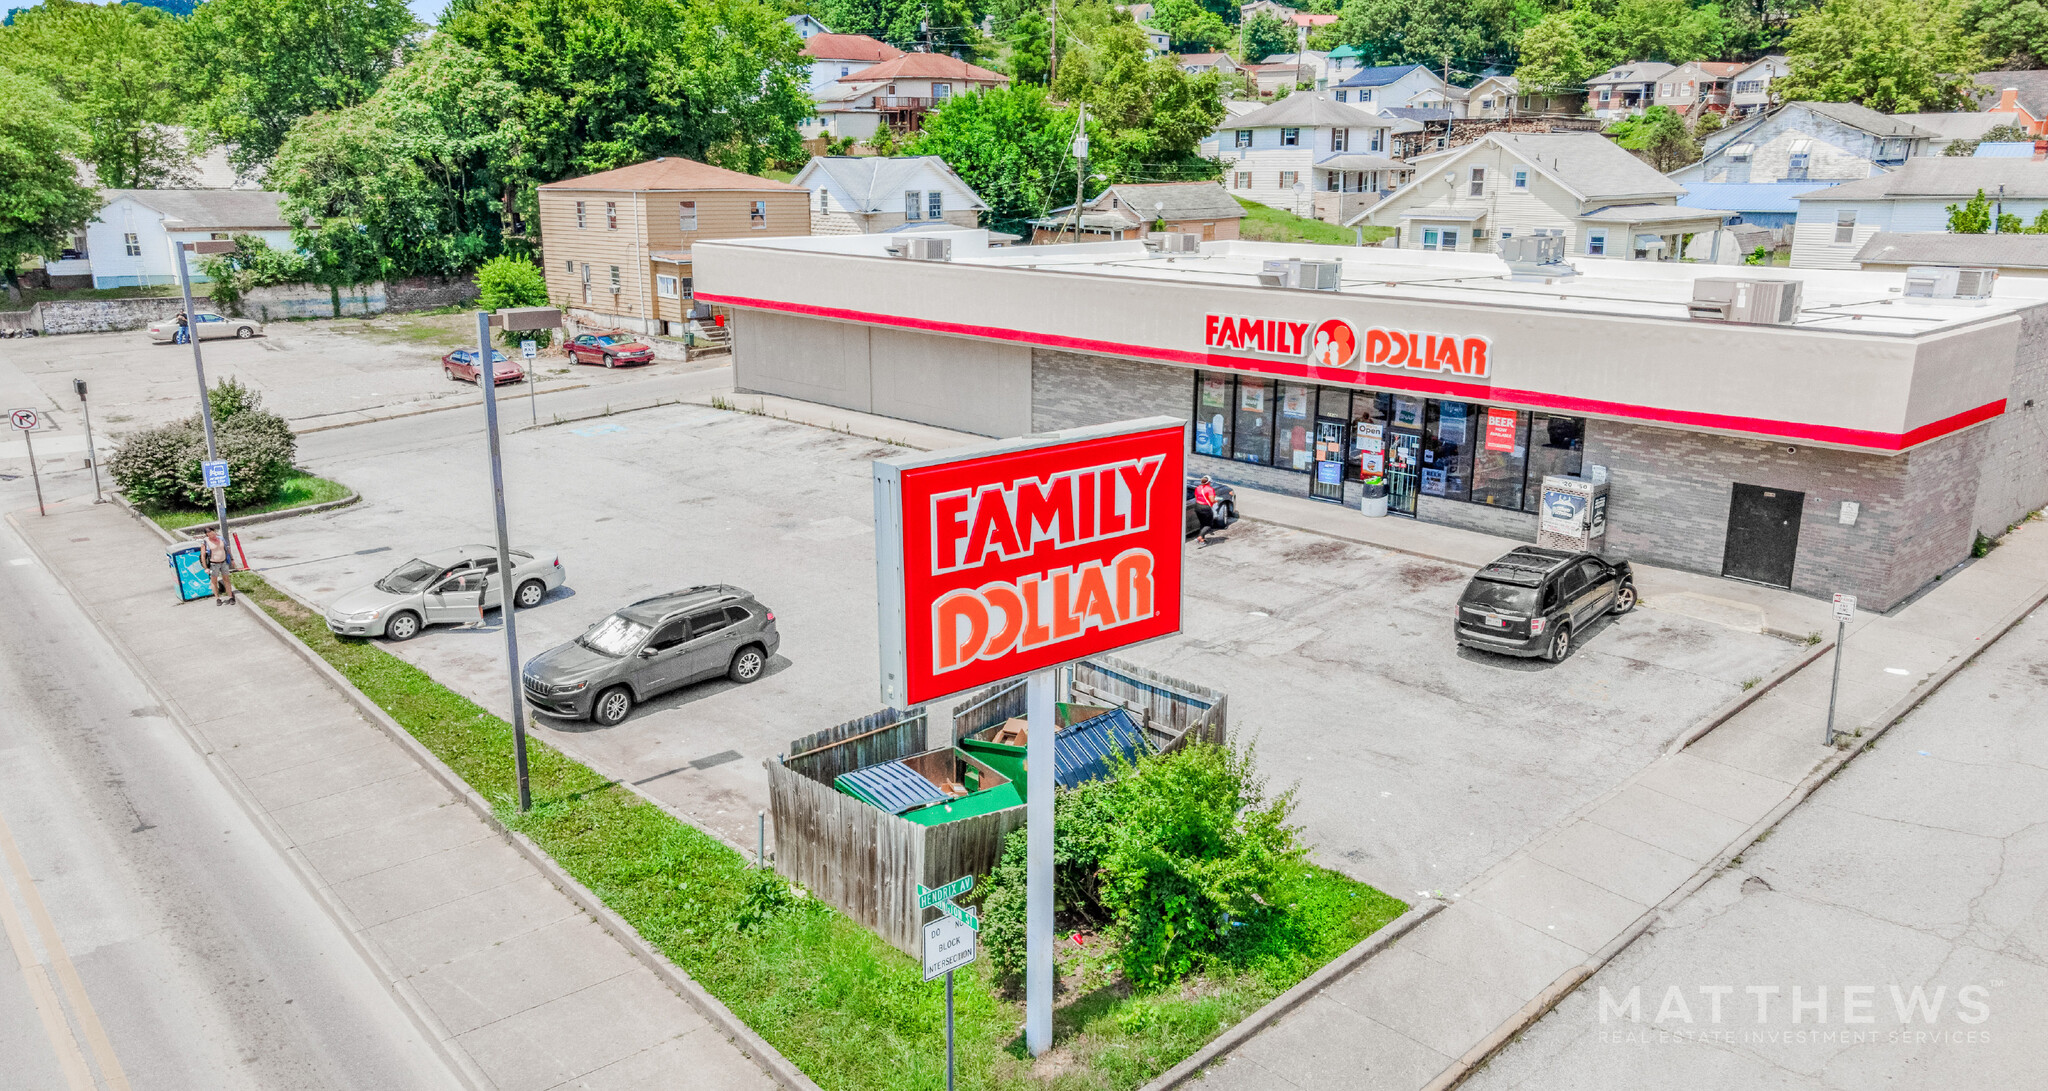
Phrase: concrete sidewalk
[1425,1012]
[521,989]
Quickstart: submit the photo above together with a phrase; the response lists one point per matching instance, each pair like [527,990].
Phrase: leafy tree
[1027,35]
[42,203]
[1894,56]
[1266,34]
[1010,144]
[179,8]
[1554,59]
[2015,32]
[1427,31]
[117,66]
[268,63]
[944,25]
[1191,27]
[506,281]
[1973,217]
[1151,115]
[1659,135]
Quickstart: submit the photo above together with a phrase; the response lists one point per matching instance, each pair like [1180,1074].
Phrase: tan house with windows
[616,244]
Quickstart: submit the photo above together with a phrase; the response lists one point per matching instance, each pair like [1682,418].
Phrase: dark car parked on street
[1536,601]
[1225,507]
[650,647]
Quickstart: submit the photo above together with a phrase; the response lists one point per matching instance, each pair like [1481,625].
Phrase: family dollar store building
[1823,431]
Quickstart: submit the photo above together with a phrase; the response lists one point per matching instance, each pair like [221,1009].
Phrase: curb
[752,1045]
[198,530]
[417,412]
[1293,998]
[1747,698]
[439,1039]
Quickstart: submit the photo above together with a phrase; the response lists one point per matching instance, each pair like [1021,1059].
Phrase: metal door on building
[1327,483]
[1763,534]
[1404,465]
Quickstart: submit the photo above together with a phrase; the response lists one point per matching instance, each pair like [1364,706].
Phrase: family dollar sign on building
[1010,557]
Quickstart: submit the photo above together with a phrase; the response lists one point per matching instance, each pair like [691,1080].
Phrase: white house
[1810,142]
[1607,202]
[806,26]
[835,56]
[1504,96]
[131,241]
[1836,222]
[1294,152]
[1625,89]
[868,195]
[1750,89]
[1400,85]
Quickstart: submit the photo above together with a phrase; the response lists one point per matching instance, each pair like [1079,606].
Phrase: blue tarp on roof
[892,786]
[2005,149]
[1088,750]
[1747,196]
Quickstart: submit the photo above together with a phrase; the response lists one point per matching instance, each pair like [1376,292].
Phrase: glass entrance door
[1327,483]
[1404,457]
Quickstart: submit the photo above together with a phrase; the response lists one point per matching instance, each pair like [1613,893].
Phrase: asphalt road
[156,938]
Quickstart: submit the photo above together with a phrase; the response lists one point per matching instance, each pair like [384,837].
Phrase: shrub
[151,466]
[252,264]
[513,282]
[159,467]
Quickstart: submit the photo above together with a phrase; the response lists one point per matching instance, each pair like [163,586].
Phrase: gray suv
[653,646]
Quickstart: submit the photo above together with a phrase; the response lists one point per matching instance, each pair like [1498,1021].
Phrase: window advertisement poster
[1212,426]
[1407,411]
[1450,423]
[1565,501]
[1372,446]
[1500,429]
[1251,399]
[1294,403]
[1432,481]
[1005,558]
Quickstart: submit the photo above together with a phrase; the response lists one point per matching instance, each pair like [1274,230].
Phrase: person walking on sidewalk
[215,553]
[1205,509]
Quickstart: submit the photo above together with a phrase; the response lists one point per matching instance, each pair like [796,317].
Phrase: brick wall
[2014,448]
[1074,390]
[1484,518]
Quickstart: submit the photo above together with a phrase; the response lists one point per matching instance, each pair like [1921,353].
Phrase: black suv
[1532,601]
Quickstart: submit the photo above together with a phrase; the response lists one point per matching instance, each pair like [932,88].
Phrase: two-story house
[1131,210]
[1281,77]
[1835,223]
[1504,97]
[616,244]
[1810,142]
[806,26]
[1697,87]
[836,56]
[1607,202]
[900,91]
[867,195]
[1749,90]
[1306,144]
[1194,64]
[1398,85]
[1625,90]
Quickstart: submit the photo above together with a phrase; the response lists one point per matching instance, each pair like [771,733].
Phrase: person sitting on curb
[215,553]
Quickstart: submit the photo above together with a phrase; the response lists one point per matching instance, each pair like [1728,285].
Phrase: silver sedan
[450,587]
[207,325]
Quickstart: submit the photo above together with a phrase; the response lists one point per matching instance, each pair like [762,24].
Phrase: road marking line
[67,974]
[69,1059]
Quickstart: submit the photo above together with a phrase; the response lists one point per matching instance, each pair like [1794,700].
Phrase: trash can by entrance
[190,567]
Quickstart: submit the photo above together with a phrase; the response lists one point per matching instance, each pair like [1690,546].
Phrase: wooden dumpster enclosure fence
[867,863]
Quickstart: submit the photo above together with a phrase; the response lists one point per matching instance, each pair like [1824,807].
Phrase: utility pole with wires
[1080,164]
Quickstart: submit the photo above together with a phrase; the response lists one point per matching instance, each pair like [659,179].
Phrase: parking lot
[1417,764]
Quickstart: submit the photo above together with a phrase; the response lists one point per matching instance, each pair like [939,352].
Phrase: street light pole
[487,377]
[220,495]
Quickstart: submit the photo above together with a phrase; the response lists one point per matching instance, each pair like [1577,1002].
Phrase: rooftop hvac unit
[919,248]
[1533,257]
[1948,282]
[1759,302]
[1321,276]
[1174,242]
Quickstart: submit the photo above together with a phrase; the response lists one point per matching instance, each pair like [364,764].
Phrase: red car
[608,349]
[460,365]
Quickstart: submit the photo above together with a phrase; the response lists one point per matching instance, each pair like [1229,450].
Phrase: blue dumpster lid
[182,547]
[1084,751]
[892,786]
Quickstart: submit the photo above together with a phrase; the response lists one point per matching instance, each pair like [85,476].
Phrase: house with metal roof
[866,195]
[1605,201]
[1399,85]
[1835,223]
[2013,255]
[132,240]
[1293,153]
[1626,89]
[1810,142]
[1129,211]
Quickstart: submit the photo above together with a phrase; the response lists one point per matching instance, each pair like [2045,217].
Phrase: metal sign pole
[34,473]
[487,377]
[92,455]
[1038,750]
[220,494]
[949,1030]
[1841,630]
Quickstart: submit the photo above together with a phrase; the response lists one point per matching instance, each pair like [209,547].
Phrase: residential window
[1431,238]
[132,243]
[1845,226]
[1666,92]
[1288,178]
[934,205]
[1241,180]
[1376,135]
[1339,138]
[1365,94]
[689,287]
[581,222]
[1596,243]
[1290,138]
[686,216]
[1521,179]
[758,218]
[941,91]
[1478,182]
[1450,239]
[1242,138]
[1749,87]
[845,70]
[1341,94]
[1486,103]
[615,280]
[912,209]
[571,266]
[665,286]
[824,202]
[611,215]
[586,282]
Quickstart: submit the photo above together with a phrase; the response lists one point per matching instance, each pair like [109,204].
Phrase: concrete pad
[361,807]
[1325,1045]
[429,881]
[330,775]
[1670,824]
[501,980]
[1240,1073]
[1752,748]
[1557,904]
[1722,789]
[1504,950]
[1845,856]
[1616,862]
[397,840]
[1425,1000]
[707,1060]
[445,932]
[288,748]
[1721,611]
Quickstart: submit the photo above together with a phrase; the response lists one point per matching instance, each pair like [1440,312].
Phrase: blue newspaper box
[190,567]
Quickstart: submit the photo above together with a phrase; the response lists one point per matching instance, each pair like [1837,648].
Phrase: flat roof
[1840,301]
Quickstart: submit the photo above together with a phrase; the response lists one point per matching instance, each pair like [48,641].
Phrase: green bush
[159,467]
[513,282]
[1179,859]
[253,264]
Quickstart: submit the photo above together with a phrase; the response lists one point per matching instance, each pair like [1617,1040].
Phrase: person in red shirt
[1205,509]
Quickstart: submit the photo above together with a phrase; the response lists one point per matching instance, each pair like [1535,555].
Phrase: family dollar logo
[1335,344]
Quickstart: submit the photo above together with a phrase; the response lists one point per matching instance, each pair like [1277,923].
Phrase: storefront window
[1499,461]
[1252,432]
[1447,450]
[1212,415]
[1555,449]
[1294,442]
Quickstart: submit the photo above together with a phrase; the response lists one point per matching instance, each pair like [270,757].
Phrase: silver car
[206,325]
[650,647]
[446,588]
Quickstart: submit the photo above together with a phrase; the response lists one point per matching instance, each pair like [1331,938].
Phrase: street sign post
[208,246]
[26,422]
[949,943]
[215,473]
[488,379]
[1845,612]
[1011,559]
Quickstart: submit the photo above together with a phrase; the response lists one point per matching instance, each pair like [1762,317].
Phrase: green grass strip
[845,1007]
[301,490]
[1264,223]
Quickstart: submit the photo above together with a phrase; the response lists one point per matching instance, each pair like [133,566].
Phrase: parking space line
[69,1059]
[60,960]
